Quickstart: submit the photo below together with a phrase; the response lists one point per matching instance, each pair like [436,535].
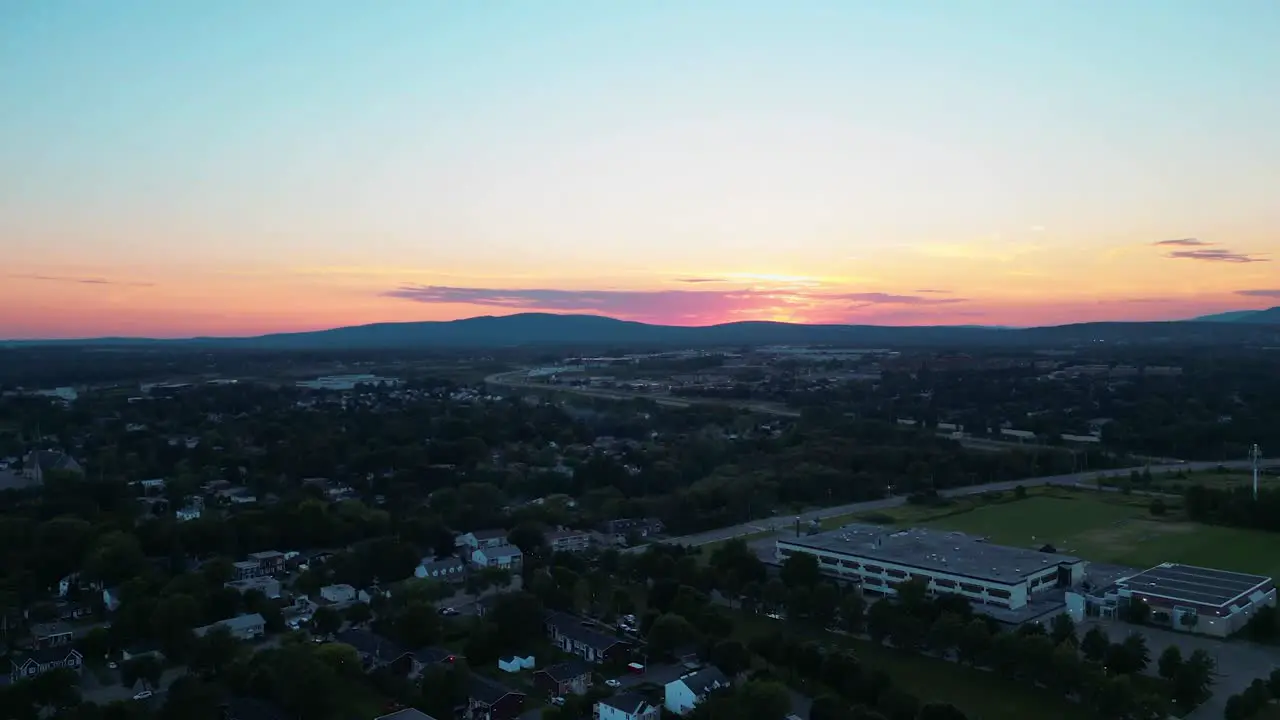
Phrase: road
[516,380]
[781,522]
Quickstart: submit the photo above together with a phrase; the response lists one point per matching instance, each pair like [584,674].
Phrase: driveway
[1239,663]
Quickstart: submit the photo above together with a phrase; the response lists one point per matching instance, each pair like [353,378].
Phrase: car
[613,683]
[142,695]
[113,665]
[448,611]
[557,701]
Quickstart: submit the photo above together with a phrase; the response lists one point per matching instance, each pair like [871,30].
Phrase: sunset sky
[249,166]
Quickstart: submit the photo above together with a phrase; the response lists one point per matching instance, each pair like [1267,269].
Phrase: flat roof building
[880,558]
[1183,597]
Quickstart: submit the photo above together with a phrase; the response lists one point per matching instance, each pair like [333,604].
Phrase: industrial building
[1182,597]
[880,558]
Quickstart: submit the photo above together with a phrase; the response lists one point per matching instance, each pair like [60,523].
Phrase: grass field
[1117,531]
[981,695]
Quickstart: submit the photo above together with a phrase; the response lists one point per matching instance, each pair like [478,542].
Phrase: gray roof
[629,703]
[441,565]
[938,551]
[704,680]
[406,714]
[501,551]
[1173,581]
[10,480]
[235,624]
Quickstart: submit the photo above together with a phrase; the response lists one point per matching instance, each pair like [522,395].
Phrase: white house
[482,539]
[627,706]
[241,627]
[515,663]
[339,594]
[682,695]
[507,557]
[450,568]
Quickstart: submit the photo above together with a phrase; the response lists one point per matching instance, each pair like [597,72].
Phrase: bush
[1158,508]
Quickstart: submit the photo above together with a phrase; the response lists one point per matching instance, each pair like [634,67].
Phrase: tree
[418,624]
[1158,507]
[1062,629]
[1095,644]
[975,642]
[1066,670]
[147,669]
[764,700]
[326,621]
[669,632]
[191,698]
[528,536]
[774,595]
[731,656]
[1193,678]
[829,707]
[853,612]
[945,633]
[357,613]
[214,653]
[940,711]
[342,658]
[800,570]
[824,604]
[518,618]
[1170,662]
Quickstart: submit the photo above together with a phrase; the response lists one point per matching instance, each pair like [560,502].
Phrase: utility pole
[1256,456]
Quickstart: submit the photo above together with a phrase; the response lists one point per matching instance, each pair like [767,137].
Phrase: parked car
[448,611]
[557,701]
[142,695]
[613,683]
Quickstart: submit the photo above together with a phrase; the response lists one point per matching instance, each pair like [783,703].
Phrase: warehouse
[880,558]
[1183,597]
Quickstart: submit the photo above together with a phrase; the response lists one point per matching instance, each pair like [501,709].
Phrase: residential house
[568,540]
[683,694]
[619,530]
[446,569]
[241,627]
[31,664]
[245,569]
[68,610]
[376,651]
[342,595]
[270,562]
[193,509]
[482,539]
[424,657]
[266,585]
[133,652]
[47,635]
[569,633]
[571,677]
[41,462]
[153,485]
[626,706]
[507,557]
[489,700]
[516,663]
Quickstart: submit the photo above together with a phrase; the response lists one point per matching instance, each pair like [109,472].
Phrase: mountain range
[1260,326]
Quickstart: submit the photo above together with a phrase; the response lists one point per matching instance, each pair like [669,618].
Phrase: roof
[558,534]
[46,655]
[568,670]
[442,563]
[432,655]
[406,714]
[482,689]
[1206,586]
[247,708]
[10,480]
[629,703]
[488,534]
[704,680]
[937,551]
[239,622]
[372,644]
[572,628]
[54,460]
[49,629]
[501,551]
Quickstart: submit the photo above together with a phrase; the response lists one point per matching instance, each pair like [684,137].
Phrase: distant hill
[1270,316]
[596,331]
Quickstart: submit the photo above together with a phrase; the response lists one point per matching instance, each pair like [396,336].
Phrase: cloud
[700,280]
[665,305]
[1181,242]
[931,291]
[1259,293]
[1216,255]
[81,281]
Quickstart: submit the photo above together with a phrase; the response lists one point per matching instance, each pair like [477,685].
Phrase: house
[47,635]
[568,540]
[515,663]
[507,557]
[342,595]
[133,652]
[682,695]
[269,562]
[450,568]
[423,657]
[569,633]
[41,462]
[31,664]
[406,714]
[376,651]
[619,530]
[241,627]
[627,706]
[482,539]
[265,585]
[489,700]
[573,676]
[152,485]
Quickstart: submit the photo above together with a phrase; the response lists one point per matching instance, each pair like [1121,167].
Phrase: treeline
[1253,699]
[1235,507]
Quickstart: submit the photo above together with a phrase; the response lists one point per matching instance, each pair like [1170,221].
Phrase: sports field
[1117,532]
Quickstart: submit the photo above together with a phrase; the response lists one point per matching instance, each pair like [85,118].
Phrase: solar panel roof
[1193,584]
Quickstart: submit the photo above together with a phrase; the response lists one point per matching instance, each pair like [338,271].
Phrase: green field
[1116,531]
[980,694]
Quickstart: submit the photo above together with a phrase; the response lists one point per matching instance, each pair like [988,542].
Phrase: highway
[782,522]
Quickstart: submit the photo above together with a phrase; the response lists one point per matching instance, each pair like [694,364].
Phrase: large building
[880,558]
[1182,597]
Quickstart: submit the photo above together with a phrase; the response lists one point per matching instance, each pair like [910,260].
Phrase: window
[993,592]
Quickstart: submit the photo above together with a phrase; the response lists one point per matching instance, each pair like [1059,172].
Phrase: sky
[170,169]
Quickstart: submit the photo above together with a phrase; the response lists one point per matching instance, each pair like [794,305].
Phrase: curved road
[763,525]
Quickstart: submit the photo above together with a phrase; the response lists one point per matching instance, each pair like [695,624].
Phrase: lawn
[981,695]
[1118,531]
